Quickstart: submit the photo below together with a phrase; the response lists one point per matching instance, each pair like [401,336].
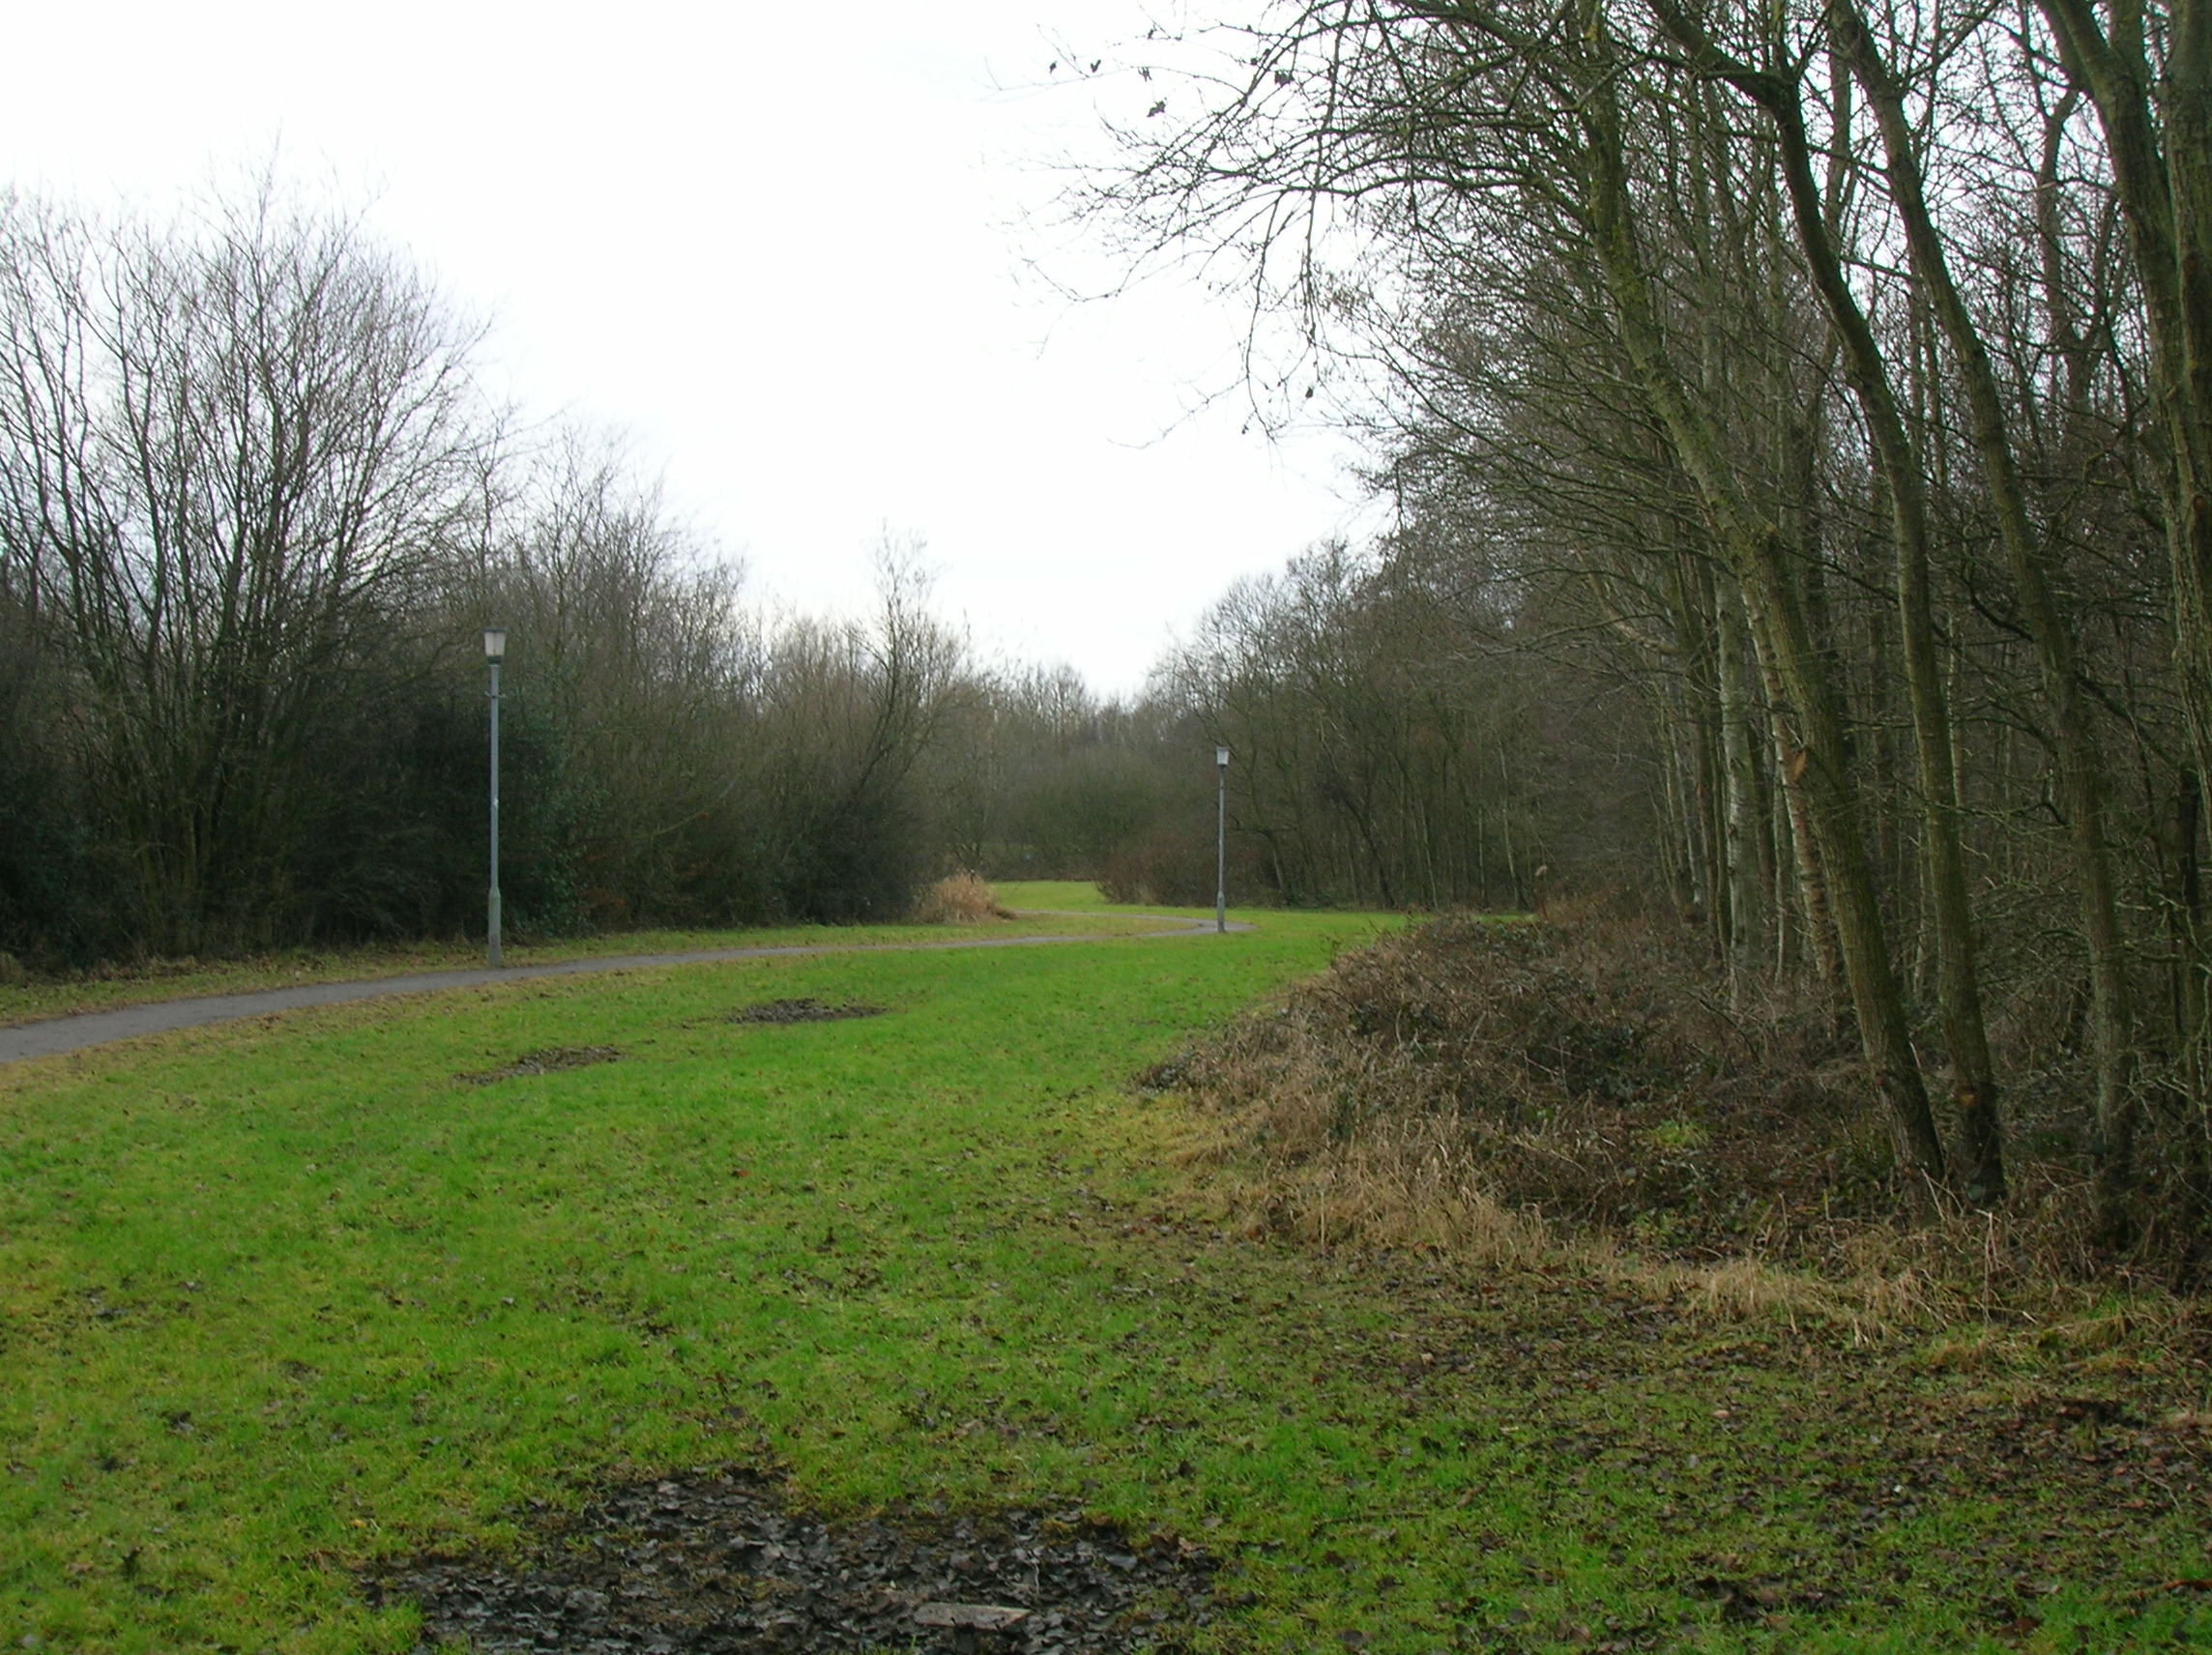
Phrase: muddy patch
[803,1011]
[548,1062]
[714,1562]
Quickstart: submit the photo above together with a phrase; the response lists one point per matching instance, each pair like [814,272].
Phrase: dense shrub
[1457,1080]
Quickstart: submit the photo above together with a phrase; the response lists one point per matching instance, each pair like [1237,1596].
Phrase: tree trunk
[2081,765]
[1754,553]
[1975,1084]
[1740,818]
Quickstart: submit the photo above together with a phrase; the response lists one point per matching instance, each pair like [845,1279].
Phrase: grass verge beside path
[279,1301]
[183,980]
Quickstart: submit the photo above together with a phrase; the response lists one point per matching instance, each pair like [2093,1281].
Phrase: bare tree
[228,451]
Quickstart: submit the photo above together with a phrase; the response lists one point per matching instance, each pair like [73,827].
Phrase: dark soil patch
[803,1011]
[712,1561]
[546,1062]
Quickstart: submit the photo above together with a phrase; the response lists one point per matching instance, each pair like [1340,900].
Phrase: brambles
[1508,1088]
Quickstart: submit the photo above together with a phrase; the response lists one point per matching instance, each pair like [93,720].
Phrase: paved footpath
[55,1035]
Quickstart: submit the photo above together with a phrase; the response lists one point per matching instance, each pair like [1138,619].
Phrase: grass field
[280,1299]
[1079,907]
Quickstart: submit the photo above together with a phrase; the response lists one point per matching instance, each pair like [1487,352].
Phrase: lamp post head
[1221,757]
[495,644]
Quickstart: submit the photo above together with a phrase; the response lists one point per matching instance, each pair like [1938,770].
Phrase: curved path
[54,1035]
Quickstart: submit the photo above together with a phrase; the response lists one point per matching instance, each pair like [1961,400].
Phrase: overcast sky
[782,245]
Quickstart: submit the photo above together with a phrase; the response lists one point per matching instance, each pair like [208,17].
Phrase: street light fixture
[1221,845]
[495,652]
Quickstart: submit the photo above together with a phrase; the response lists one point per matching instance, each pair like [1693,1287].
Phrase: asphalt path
[55,1035]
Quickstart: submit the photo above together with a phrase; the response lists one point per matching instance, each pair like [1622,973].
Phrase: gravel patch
[712,1561]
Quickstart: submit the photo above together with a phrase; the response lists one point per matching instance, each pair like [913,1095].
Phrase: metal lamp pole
[1221,845]
[495,650]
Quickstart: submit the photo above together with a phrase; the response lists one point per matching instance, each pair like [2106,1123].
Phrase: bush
[962,898]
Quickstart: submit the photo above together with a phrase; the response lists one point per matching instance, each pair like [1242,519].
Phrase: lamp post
[1221,845]
[495,652]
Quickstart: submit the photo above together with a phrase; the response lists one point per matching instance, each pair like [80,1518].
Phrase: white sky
[780,245]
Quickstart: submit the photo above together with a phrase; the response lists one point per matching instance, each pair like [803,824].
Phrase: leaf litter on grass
[1784,1478]
[714,1561]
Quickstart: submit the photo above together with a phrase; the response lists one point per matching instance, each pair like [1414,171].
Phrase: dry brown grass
[961,898]
[1573,1089]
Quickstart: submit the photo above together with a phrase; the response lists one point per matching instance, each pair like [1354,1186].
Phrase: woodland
[1810,402]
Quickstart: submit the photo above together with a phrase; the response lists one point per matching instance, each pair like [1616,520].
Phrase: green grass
[1070,896]
[1064,896]
[110,987]
[280,1299]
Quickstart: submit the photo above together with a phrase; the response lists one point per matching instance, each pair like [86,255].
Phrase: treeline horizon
[256,508]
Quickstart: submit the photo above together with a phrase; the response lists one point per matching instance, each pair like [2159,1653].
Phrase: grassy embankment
[279,1300]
